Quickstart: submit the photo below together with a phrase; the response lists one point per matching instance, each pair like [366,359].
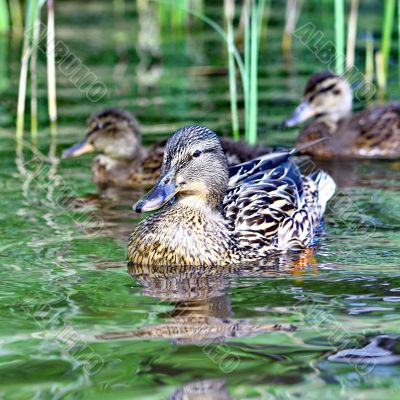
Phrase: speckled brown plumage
[193,237]
[371,133]
[265,206]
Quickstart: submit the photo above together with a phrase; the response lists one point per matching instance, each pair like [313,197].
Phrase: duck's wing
[267,163]
[378,131]
[239,173]
[275,208]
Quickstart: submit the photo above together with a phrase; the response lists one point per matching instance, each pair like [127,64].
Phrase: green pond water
[76,324]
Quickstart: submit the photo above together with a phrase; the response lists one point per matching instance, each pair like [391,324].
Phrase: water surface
[75,323]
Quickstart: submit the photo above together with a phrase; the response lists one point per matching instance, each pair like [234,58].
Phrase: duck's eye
[99,126]
[196,154]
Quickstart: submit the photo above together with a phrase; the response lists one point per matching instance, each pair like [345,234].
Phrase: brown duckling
[122,160]
[371,133]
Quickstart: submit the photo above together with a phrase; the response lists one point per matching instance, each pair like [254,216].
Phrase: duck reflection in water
[202,311]
[207,389]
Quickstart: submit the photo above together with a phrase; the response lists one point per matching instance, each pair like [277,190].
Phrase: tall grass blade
[339,36]
[4,59]
[387,28]
[51,68]
[4,17]
[369,58]
[352,35]
[30,18]
[229,11]
[247,47]
[380,74]
[178,13]
[252,133]
[164,14]
[16,15]
[33,72]
[255,16]
[398,35]
[292,13]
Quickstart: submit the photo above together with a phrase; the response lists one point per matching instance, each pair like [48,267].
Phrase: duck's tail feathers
[326,188]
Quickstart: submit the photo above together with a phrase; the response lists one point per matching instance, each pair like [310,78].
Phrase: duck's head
[325,95]
[194,171]
[113,132]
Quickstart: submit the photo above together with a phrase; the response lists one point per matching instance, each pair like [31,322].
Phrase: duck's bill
[165,189]
[302,113]
[78,149]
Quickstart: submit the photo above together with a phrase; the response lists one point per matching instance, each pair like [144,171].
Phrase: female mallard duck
[216,216]
[122,161]
[371,133]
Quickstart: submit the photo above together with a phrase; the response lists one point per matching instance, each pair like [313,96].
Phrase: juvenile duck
[217,216]
[122,161]
[371,133]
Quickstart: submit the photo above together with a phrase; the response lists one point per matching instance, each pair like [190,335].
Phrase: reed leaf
[246,82]
[51,68]
[4,17]
[256,10]
[352,35]
[251,135]
[4,59]
[387,28]
[33,76]
[292,12]
[16,15]
[339,36]
[369,58]
[32,13]
[229,11]
[30,19]
[380,73]
[398,36]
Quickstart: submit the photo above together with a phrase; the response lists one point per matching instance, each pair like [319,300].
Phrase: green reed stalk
[380,74]
[238,59]
[16,15]
[4,17]
[164,13]
[339,36]
[178,13]
[262,5]
[246,75]
[33,71]
[369,58]
[292,13]
[387,28]
[31,12]
[229,9]
[22,90]
[197,6]
[352,35]
[255,15]
[4,74]
[253,76]
[51,68]
[398,35]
